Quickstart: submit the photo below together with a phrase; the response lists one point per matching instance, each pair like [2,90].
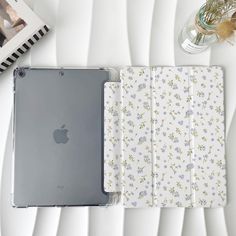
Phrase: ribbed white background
[117,33]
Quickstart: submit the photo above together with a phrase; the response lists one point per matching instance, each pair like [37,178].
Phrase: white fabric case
[164,137]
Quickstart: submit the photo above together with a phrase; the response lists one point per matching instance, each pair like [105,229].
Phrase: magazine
[20,29]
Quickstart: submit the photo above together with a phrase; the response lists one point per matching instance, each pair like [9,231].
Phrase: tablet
[58,137]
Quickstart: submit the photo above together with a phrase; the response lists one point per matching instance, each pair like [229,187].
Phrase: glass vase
[196,36]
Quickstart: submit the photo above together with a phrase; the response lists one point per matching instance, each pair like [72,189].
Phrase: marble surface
[117,33]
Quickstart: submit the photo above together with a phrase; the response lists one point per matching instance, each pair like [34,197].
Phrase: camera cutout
[21,72]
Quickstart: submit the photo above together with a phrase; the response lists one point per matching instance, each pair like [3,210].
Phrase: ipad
[58,137]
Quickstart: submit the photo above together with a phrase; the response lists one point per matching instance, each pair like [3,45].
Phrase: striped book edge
[23,48]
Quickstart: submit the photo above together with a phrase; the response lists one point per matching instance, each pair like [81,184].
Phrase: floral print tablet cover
[164,137]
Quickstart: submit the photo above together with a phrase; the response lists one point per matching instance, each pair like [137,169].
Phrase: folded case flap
[172,137]
[112,137]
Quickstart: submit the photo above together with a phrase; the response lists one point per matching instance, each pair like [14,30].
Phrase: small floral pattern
[172,137]
[112,137]
[136,114]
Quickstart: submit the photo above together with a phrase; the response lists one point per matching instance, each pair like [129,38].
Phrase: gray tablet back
[58,137]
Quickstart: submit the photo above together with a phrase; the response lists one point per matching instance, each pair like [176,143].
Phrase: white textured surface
[110,32]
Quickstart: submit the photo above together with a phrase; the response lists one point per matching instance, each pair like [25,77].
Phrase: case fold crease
[164,137]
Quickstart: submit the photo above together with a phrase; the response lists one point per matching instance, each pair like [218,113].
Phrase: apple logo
[60,135]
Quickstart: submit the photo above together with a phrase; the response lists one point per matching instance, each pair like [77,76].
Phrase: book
[20,29]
